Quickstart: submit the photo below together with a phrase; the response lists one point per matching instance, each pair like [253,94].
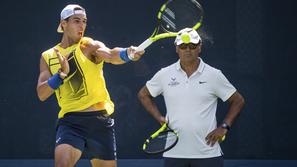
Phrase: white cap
[187,35]
[68,11]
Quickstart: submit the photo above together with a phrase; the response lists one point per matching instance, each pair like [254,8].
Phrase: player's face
[75,26]
[188,52]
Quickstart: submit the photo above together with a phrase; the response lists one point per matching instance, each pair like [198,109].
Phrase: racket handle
[144,44]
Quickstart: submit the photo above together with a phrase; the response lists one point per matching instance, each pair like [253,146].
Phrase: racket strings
[161,142]
[180,13]
[168,22]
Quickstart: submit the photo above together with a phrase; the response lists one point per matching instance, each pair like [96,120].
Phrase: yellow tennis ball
[185,38]
[221,139]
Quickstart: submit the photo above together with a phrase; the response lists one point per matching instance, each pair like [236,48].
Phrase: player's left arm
[99,52]
[236,103]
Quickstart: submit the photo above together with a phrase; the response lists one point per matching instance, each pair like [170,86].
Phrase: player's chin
[78,36]
[187,56]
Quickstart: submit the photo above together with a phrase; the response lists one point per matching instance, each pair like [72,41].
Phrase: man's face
[188,52]
[75,26]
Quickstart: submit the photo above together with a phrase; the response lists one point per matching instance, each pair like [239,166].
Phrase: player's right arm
[97,51]
[146,100]
[43,89]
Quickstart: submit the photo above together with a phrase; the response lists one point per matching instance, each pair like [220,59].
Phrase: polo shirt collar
[200,68]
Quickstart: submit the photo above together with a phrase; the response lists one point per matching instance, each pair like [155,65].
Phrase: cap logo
[68,13]
[79,12]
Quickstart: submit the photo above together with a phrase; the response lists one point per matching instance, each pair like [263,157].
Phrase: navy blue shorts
[203,162]
[91,132]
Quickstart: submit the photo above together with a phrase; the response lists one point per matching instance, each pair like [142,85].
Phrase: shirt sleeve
[223,88]
[154,85]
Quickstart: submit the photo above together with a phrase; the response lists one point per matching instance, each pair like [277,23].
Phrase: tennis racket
[173,16]
[161,141]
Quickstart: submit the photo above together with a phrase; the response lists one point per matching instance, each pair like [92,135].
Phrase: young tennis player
[73,70]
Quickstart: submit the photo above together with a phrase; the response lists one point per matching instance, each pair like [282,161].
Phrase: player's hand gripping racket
[161,141]
[173,16]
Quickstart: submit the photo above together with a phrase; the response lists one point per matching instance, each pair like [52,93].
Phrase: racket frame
[164,128]
[154,37]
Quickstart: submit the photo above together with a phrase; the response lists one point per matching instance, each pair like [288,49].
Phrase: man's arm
[99,52]
[47,83]
[147,101]
[43,89]
[236,103]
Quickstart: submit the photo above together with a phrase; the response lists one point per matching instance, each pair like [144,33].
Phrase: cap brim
[59,29]
[194,41]
[178,42]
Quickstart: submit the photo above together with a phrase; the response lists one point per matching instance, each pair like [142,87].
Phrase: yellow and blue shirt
[85,84]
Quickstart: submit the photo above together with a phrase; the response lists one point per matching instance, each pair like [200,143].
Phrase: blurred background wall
[253,42]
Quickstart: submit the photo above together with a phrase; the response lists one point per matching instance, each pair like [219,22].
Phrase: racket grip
[144,44]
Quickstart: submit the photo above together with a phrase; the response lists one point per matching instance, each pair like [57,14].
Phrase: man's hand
[133,55]
[162,120]
[215,135]
[64,64]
